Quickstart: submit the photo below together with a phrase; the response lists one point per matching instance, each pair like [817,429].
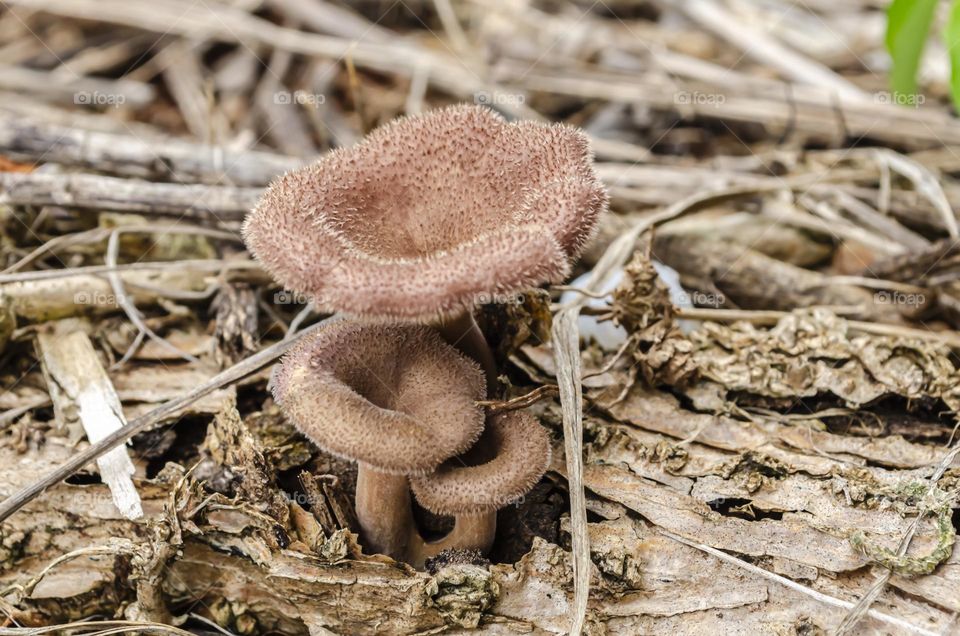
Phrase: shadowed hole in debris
[593,517]
[742,509]
[83,479]
[787,405]
[631,11]
[432,527]
[917,420]
[288,481]
[179,443]
[345,471]
[45,414]
[920,420]
[250,399]
[537,514]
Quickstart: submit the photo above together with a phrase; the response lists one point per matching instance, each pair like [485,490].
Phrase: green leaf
[951,37]
[908,23]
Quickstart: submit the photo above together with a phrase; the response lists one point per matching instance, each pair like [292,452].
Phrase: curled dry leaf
[813,352]
[641,304]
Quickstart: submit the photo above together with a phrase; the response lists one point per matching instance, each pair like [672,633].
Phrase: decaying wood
[260,583]
[142,423]
[774,459]
[751,280]
[328,503]
[566,340]
[81,391]
[74,89]
[109,193]
[236,321]
[54,298]
[133,154]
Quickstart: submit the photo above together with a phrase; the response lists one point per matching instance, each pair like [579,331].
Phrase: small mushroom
[398,400]
[431,215]
[472,493]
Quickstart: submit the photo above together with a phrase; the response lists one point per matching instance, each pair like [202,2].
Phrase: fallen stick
[52,298]
[233,25]
[768,50]
[191,265]
[99,234]
[76,89]
[753,280]
[81,390]
[129,154]
[183,76]
[236,26]
[848,118]
[332,19]
[126,195]
[566,354]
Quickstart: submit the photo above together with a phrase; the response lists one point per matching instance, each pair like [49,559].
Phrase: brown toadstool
[472,493]
[398,400]
[428,216]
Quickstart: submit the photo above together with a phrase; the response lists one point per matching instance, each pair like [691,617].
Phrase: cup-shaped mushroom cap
[522,456]
[429,213]
[397,398]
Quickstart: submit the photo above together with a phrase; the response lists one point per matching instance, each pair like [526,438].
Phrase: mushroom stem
[463,333]
[470,532]
[383,510]
[472,494]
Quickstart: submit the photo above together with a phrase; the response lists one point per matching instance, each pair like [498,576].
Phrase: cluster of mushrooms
[402,235]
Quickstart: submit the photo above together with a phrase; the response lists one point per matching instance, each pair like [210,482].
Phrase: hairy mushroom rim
[472,493]
[428,215]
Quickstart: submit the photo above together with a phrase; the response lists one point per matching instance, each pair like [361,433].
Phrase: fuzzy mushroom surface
[473,493]
[396,399]
[430,215]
